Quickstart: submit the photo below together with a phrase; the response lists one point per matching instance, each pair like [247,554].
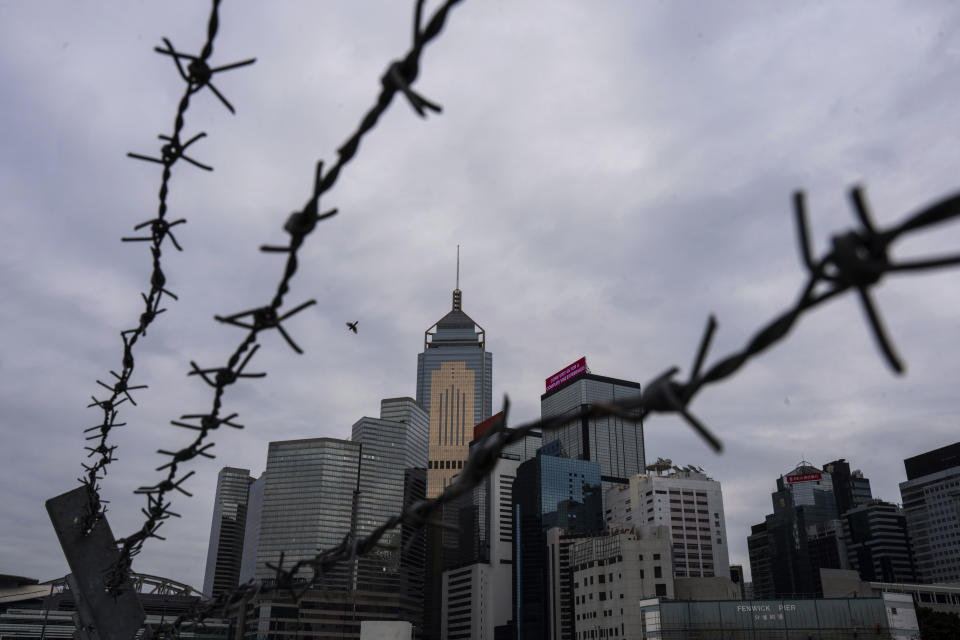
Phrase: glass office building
[307,502]
[548,492]
[225,551]
[614,442]
[390,447]
[850,488]
[454,387]
[316,492]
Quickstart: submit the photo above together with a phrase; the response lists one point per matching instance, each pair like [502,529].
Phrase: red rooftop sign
[567,373]
[803,477]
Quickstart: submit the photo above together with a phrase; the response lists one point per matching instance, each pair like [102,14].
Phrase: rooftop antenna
[457,295]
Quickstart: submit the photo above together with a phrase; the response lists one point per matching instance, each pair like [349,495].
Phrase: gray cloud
[613,173]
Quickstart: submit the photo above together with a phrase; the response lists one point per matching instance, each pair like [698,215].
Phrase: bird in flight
[352,326]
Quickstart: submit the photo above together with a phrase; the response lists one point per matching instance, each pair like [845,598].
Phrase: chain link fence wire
[197,73]
[857,260]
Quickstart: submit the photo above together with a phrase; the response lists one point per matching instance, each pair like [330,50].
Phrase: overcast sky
[614,171]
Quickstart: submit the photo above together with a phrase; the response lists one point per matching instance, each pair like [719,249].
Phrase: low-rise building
[611,573]
[890,616]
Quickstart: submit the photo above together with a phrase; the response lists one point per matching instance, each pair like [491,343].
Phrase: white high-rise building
[686,501]
[931,502]
[464,614]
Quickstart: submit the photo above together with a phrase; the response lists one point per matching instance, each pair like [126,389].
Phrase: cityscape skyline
[619,259]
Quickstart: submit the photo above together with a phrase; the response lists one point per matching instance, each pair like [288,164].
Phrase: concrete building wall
[466,598]
[395,630]
[715,588]
[690,504]
[494,564]
[612,573]
[560,582]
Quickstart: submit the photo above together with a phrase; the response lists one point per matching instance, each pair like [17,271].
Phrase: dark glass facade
[548,492]
[800,537]
[614,442]
[850,488]
[933,461]
[225,551]
[877,543]
[758,548]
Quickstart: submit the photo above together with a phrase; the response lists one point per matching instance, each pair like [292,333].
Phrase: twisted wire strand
[160,229]
[858,260]
[399,77]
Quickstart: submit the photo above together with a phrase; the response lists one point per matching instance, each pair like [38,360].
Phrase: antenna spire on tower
[457,296]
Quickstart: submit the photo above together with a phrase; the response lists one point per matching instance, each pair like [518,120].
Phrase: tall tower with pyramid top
[454,380]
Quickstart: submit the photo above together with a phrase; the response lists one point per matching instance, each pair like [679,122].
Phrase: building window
[657,572]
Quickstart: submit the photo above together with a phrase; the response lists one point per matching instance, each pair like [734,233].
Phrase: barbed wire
[858,259]
[399,77]
[198,75]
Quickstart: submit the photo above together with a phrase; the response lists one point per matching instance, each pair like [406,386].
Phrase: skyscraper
[802,535]
[689,504]
[931,501]
[225,551]
[549,492]
[477,592]
[394,446]
[308,499]
[877,543]
[454,387]
[315,492]
[850,488]
[614,442]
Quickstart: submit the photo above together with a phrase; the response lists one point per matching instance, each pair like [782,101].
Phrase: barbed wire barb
[198,73]
[172,149]
[857,259]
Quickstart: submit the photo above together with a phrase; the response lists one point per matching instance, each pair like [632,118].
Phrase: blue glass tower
[549,492]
